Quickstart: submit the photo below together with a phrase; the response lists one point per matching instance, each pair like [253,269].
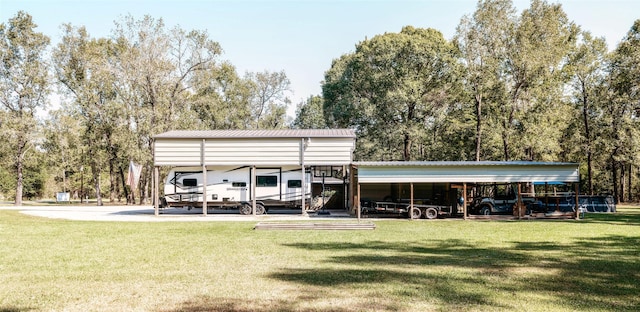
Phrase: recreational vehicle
[230,188]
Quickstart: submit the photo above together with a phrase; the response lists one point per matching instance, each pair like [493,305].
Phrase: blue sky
[301,37]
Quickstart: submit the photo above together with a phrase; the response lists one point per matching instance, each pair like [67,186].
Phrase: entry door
[294,190]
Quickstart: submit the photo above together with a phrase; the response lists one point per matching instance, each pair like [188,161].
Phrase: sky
[299,37]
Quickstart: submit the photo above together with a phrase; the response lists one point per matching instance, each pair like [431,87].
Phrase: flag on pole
[133,176]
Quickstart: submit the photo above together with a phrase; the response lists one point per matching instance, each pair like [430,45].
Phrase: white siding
[177,152]
[492,173]
[253,151]
[329,151]
[276,151]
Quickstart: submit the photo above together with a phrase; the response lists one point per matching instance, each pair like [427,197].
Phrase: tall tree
[482,40]
[394,85]
[24,85]
[155,72]
[622,109]
[269,100]
[532,111]
[83,67]
[222,99]
[586,66]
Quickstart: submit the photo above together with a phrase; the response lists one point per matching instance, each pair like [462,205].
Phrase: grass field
[442,265]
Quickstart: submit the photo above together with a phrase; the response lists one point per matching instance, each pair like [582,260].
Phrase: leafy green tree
[269,100]
[532,112]
[482,39]
[156,70]
[24,86]
[586,67]
[622,111]
[222,100]
[83,68]
[310,114]
[392,90]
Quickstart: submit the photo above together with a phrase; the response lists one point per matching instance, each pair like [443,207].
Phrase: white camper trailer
[230,188]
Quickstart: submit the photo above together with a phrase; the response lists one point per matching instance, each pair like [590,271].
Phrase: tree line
[510,85]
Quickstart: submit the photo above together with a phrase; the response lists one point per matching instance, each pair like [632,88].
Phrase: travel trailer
[230,188]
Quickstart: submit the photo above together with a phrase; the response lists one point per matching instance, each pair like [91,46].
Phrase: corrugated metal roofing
[457,163]
[466,171]
[235,134]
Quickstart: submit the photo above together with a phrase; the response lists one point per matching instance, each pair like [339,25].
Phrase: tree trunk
[478,125]
[587,134]
[630,197]
[407,147]
[124,187]
[614,174]
[19,186]
[19,169]
[112,181]
[96,181]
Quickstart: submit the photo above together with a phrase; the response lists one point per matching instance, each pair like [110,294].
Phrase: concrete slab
[146,214]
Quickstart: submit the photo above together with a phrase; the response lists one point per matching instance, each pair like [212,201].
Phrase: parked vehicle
[497,199]
[427,211]
[230,188]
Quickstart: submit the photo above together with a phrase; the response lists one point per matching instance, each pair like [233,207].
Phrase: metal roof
[243,134]
[458,163]
[466,171]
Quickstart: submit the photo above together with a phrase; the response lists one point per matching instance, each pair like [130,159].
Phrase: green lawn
[443,265]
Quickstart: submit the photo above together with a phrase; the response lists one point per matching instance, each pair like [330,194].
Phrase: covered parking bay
[202,152]
[443,182]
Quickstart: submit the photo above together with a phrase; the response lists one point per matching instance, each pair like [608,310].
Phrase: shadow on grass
[631,217]
[595,273]
[14,309]
[205,303]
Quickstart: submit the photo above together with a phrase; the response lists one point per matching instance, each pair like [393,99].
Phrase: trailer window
[190,182]
[268,181]
[238,184]
[294,183]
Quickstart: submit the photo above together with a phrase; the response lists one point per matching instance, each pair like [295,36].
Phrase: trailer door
[294,190]
[242,189]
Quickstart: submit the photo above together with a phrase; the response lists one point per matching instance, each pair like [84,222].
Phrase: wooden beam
[577,213]
[156,178]
[464,201]
[204,178]
[357,203]
[253,189]
[519,202]
[411,200]
[303,146]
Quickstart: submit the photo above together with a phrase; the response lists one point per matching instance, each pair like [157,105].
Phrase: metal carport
[287,147]
[461,172]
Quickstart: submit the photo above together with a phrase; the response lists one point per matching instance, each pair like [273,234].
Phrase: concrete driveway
[146,214]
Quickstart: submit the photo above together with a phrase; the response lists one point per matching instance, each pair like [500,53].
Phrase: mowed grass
[442,265]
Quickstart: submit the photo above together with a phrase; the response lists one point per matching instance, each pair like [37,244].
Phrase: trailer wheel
[260,209]
[416,213]
[431,213]
[245,209]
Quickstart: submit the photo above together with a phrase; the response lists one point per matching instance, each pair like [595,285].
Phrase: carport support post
[411,200]
[464,200]
[253,189]
[204,179]
[156,193]
[303,146]
[357,203]
[519,203]
[577,186]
